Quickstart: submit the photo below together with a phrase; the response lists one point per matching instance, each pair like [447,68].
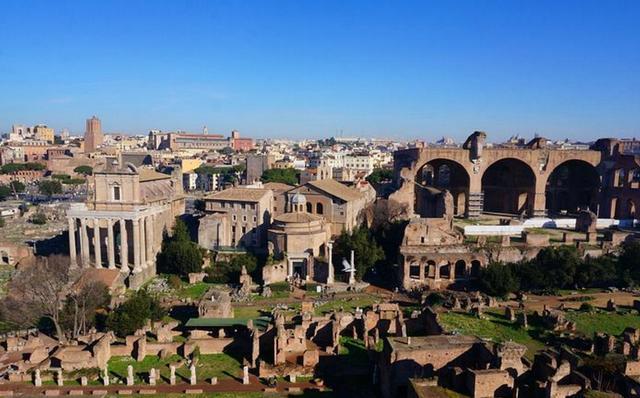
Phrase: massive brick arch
[476,158]
[508,187]
[436,175]
[571,186]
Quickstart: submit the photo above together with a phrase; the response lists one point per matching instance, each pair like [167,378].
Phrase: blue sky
[313,68]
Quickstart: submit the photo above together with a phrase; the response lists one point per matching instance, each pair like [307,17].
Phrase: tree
[366,251]
[179,255]
[38,291]
[5,192]
[380,175]
[628,267]
[134,313]
[84,170]
[50,187]
[80,309]
[229,271]
[16,186]
[497,279]
[286,176]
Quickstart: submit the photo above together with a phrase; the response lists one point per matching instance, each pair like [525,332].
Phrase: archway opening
[475,268]
[445,271]
[508,186]
[433,178]
[572,186]
[460,269]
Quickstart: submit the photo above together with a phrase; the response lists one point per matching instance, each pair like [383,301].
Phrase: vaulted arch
[436,176]
[571,186]
[508,186]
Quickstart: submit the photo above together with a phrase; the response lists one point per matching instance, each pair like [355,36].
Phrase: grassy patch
[355,350]
[347,304]
[246,312]
[194,291]
[493,327]
[607,322]
[211,365]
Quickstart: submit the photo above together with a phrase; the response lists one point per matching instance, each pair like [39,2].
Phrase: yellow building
[43,133]
[188,165]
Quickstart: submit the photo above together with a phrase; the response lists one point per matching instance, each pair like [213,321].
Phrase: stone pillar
[330,274]
[129,375]
[192,379]
[105,376]
[540,203]
[59,379]
[142,244]
[136,245]
[111,245]
[352,274]
[152,377]
[72,243]
[172,375]
[84,242]
[37,380]
[149,239]
[97,243]
[245,375]
[124,245]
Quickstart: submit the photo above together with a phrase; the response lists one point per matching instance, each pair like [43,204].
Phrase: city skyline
[300,69]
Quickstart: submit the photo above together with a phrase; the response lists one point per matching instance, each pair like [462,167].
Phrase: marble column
[72,243]
[124,245]
[143,243]
[84,242]
[149,239]
[136,245]
[111,245]
[97,243]
[330,274]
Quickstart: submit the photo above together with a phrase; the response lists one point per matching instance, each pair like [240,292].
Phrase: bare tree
[38,291]
[80,308]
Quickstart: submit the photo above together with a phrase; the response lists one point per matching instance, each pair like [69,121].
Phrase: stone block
[125,392]
[52,393]
[193,391]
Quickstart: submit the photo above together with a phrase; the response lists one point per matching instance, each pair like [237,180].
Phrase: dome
[298,199]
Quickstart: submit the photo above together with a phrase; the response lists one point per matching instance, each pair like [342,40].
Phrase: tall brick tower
[93,135]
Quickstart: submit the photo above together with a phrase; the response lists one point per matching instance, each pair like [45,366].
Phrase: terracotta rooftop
[334,188]
[151,175]
[277,186]
[297,217]
[240,194]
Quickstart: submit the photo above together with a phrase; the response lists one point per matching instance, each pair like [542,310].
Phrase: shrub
[498,280]
[38,219]
[134,313]
[174,282]
[586,307]
[434,300]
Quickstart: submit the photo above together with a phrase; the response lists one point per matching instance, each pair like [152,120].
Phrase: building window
[319,208]
[414,271]
[309,208]
[234,217]
[244,218]
[116,193]
[244,230]
[255,218]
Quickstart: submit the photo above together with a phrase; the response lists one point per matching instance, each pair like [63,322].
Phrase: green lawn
[194,291]
[211,365]
[494,326]
[607,322]
[348,304]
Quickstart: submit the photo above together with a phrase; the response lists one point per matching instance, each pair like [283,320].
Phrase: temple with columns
[121,225]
